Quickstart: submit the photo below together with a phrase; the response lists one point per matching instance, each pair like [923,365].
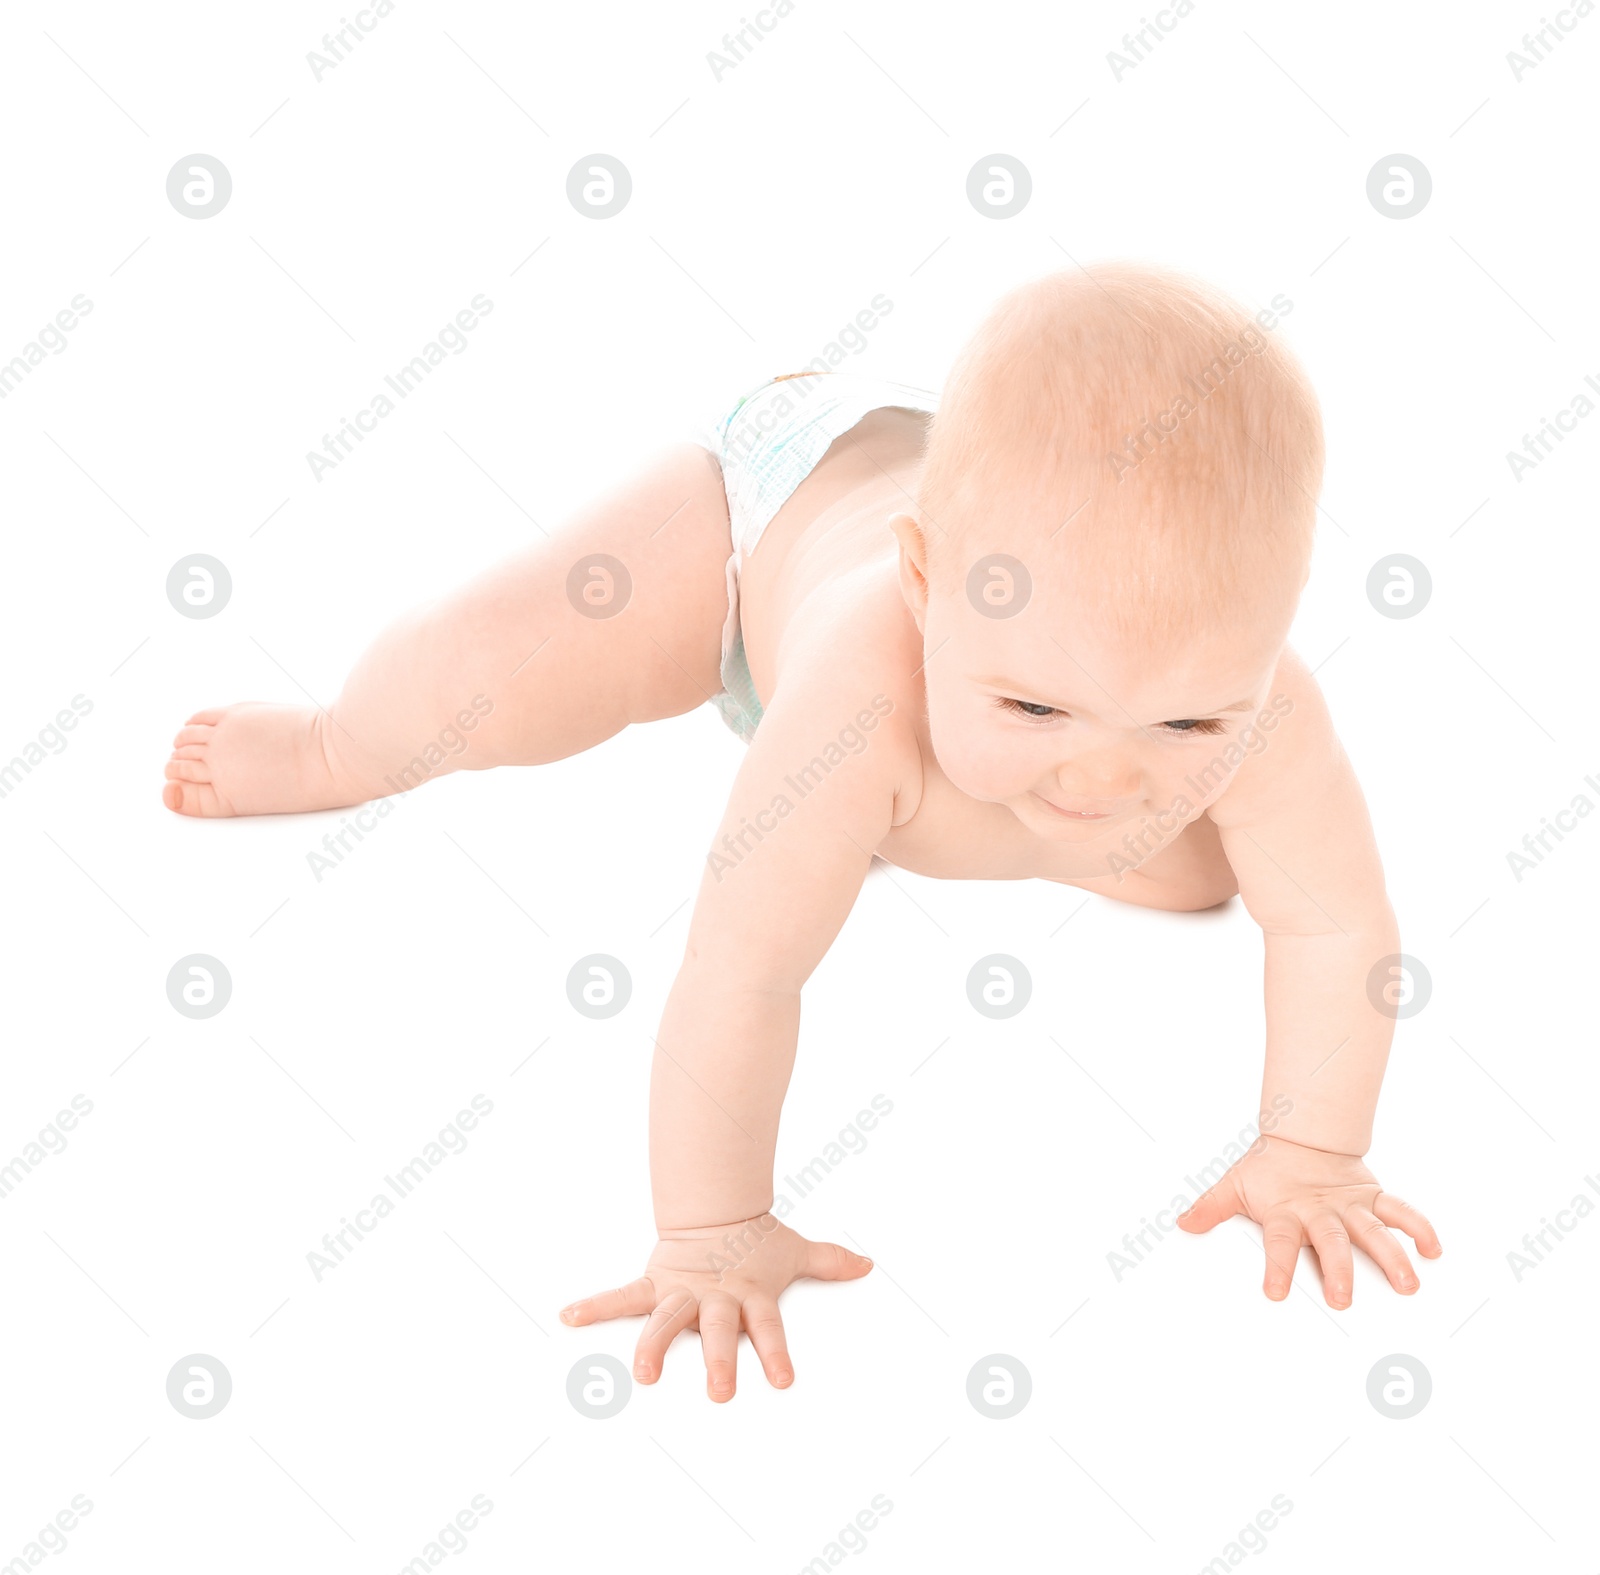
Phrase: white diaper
[767,445]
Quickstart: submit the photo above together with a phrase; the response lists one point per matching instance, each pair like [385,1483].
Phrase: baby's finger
[673,1314]
[1394,1211]
[1281,1236]
[765,1326]
[719,1341]
[1211,1208]
[1372,1236]
[630,1301]
[1331,1243]
[827,1260]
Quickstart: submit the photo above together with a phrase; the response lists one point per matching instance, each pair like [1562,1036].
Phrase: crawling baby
[1046,612]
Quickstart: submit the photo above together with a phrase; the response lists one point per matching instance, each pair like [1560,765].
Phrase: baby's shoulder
[850,679]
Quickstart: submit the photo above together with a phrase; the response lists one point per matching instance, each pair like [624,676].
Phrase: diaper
[767,445]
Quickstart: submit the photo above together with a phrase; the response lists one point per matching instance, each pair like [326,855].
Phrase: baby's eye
[1190,725]
[1031,709]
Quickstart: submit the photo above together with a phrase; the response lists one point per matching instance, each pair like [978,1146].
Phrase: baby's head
[1112,530]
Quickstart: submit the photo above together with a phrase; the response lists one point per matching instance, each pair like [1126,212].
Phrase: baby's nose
[1102,777]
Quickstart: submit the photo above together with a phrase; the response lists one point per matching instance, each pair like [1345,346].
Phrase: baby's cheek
[972,758]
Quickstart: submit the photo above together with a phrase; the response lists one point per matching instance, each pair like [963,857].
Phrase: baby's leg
[510,649]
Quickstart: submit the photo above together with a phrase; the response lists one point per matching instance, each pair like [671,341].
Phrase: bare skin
[847,636]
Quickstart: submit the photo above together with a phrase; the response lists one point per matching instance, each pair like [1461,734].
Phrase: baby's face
[1080,733]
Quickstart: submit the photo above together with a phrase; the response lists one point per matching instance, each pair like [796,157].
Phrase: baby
[1034,627]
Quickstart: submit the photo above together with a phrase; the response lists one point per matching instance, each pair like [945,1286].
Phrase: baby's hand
[714,1280]
[1302,1195]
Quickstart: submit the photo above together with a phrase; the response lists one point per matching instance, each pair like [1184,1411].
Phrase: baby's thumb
[1211,1208]
[827,1260]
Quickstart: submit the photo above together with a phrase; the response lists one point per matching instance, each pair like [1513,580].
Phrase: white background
[768,208]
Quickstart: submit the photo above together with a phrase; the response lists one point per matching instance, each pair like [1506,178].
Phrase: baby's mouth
[1072,814]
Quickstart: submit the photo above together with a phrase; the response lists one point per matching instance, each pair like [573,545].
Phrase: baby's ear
[913,564]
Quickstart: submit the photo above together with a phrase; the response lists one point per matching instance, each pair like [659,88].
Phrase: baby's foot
[254,759]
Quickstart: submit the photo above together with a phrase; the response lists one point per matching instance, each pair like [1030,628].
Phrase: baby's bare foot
[255,759]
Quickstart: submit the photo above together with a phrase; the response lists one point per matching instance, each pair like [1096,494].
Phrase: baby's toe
[193,733]
[190,789]
[192,798]
[183,769]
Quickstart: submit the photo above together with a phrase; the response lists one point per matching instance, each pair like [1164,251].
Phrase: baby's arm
[1295,829]
[784,870]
